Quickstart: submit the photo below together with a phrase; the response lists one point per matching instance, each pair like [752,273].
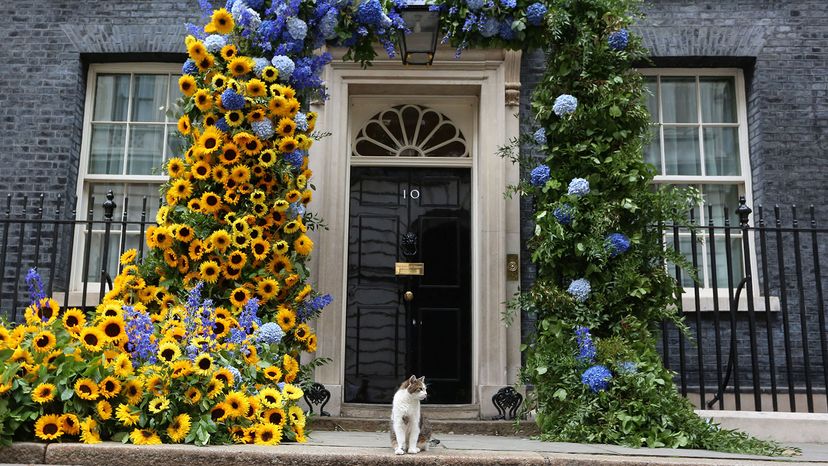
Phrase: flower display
[618,40]
[617,243]
[586,348]
[563,214]
[539,175]
[578,187]
[535,13]
[597,378]
[564,105]
[579,289]
[500,23]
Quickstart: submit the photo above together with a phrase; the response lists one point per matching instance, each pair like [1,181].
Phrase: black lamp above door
[419,44]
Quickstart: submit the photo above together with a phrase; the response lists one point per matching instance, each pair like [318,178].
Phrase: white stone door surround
[490,78]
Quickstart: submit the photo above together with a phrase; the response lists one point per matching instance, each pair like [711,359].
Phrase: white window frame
[85,179]
[743,181]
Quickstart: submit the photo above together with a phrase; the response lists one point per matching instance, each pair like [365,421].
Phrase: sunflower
[304,142]
[129,255]
[278,106]
[303,245]
[219,81]
[181,368]
[234,118]
[252,146]
[220,240]
[179,428]
[48,427]
[268,434]
[292,227]
[236,403]
[228,52]
[209,119]
[221,22]
[281,205]
[127,415]
[194,205]
[311,343]
[44,341]
[292,392]
[256,114]
[293,107]
[86,389]
[104,410]
[182,189]
[113,329]
[187,85]
[273,374]
[158,404]
[52,357]
[256,88]
[210,202]
[307,196]
[268,288]
[92,339]
[209,271]
[297,417]
[275,416]
[109,387]
[89,431]
[203,100]
[201,170]
[168,351]
[270,73]
[288,145]
[69,424]
[270,397]
[123,365]
[43,393]
[184,125]
[291,367]
[196,50]
[193,395]
[240,174]
[250,355]
[260,248]
[239,297]
[240,66]
[203,364]
[279,264]
[210,140]
[219,413]
[156,385]
[184,233]
[302,332]
[281,247]
[145,437]
[285,127]
[43,312]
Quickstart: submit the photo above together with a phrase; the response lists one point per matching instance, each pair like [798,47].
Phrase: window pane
[718,100]
[678,100]
[146,148]
[652,153]
[136,193]
[736,262]
[149,97]
[681,151]
[721,151]
[106,155]
[111,97]
[176,144]
[720,196]
[651,97]
[685,246]
[98,191]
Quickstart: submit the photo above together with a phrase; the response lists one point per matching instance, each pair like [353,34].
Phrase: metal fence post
[109,210]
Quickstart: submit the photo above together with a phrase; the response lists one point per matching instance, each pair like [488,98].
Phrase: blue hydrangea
[214,43]
[578,187]
[255,4]
[563,214]
[535,13]
[285,66]
[297,209]
[295,158]
[508,4]
[579,289]
[263,128]
[35,286]
[222,124]
[189,67]
[231,100]
[506,32]
[474,5]
[489,27]
[564,104]
[586,347]
[627,367]
[617,243]
[540,136]
[597,378]
[270,333]
[297,28]
[259,64]
[618,40]
[370,13]
[327,25]
[539,175]
[301,121]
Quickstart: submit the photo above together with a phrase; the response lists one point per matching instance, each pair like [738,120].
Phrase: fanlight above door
[410,131]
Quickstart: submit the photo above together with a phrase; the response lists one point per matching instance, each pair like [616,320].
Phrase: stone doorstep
[443,426]
[779,426]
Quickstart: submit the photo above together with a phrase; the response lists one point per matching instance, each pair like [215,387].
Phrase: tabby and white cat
[408,428]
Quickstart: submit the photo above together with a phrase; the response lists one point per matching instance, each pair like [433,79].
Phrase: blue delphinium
[189,67]
[474,5]
[297,28]
[618,40]
[627,367]
[139,329]
[263,128]
[564,104]
[539,175]
[35,286]
[270,333]
[597,378]
[586,348]
[579,289]
[540,136]
[231,100]
[617,243]
[285,66]
[535,13]
[563,214]
[578,187]
[489,27]
[312,306]
[214,43]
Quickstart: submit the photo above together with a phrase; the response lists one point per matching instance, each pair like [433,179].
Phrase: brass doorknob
[408,296]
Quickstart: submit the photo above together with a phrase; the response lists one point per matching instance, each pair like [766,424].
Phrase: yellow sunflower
[123,365]
[86,389]
[285,127]
[214,388]
[182,189]
[240,174]
[159,404]
[220,240]
[113,329]
[92,339]
[44,341]
[239,297]
[127,415]
[89,431]
[273,373]
[302,332]
[297,417]
[179,428]
[221,22]
[193,395]
[219,412]
[288,144]
[228,52]
[219,81]
[104,410]
[69,424]
[109,387]
[156,385]
[270,73]
[291,367]
[224,376]
[145,437]
[311,343]
[220,173]
[240,66]
[129,255]
[181,368]
[196,50]
[270,397]
[256,88]
[229,154]
[275,416]
[210,202]
[268,288]
[43,393]
[210,140]
[292,392]
[303,245]
[209,119]
[203,100]
[234,118]
[48,427]
[236,403]
[278,106]
[252,146]
[184,233]
[187,85]
[201,170]
[184,125]
[203,364]
[268,434]
[260,248]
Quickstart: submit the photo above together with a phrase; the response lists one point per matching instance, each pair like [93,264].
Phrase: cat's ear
[422,380]
[412,379]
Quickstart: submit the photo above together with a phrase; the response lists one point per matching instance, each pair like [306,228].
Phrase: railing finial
[743,211]
[109,205]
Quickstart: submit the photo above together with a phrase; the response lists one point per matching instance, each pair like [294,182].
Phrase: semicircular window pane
[410,131]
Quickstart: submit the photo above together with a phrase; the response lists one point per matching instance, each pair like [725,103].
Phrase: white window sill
[75,297]
[688,302]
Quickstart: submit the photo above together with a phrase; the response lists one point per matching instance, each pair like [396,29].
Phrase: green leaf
[614,111]
[541,370]
[560,394]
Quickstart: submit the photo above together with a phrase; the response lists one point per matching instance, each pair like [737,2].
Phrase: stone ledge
[443,426]
[779,426]
[23,452]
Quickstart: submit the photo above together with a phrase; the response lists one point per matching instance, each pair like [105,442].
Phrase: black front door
[398,325]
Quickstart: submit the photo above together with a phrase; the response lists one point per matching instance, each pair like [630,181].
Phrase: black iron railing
[756,313]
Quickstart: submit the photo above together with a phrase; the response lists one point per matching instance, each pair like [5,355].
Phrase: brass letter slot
[409,268]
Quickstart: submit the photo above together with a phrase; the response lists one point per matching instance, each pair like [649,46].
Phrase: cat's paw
[399,451]
[413,450]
